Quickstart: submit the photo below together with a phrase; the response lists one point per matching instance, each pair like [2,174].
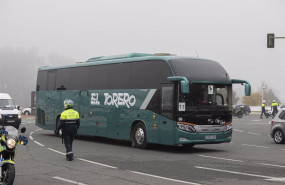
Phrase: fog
[49,32]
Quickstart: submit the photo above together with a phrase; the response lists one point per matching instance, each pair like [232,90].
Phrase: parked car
[278,127]
[245,108]
[27,111]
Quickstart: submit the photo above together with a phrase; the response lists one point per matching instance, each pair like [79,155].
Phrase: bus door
[166,125]
[83,106]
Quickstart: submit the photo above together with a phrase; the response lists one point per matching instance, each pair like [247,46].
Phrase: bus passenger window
[167,97]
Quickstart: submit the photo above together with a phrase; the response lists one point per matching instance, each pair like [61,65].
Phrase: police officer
[274,106]
[69,123]
[262,109]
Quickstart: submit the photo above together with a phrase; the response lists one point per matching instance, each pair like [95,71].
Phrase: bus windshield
[204,95]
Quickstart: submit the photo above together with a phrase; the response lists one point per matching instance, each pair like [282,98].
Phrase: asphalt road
[251,158]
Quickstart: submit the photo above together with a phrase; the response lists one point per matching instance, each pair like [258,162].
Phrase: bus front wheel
[139,136]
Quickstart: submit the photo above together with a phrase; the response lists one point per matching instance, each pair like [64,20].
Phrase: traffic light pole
[270,40]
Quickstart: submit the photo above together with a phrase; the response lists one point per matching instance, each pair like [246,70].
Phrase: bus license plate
[210,137]
[10,121]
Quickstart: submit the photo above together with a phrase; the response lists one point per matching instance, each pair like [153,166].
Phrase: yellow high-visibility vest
[69,114]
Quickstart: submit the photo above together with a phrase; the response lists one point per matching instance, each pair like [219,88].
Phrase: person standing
[262,109]
[274,106]
[69,123]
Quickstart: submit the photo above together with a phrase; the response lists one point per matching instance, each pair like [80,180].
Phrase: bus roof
[197,70]
[119,59]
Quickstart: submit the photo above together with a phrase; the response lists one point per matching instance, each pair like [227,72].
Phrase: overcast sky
[232,32]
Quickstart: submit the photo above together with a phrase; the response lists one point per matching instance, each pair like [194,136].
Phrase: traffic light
[270,40]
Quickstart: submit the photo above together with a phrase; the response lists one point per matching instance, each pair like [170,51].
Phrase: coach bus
[144,98]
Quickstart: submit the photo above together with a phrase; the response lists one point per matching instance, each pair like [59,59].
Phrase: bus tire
[139,136]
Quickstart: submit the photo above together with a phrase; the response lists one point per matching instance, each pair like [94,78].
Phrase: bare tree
[256,97]
[235,98]
[268,94]
[18,72]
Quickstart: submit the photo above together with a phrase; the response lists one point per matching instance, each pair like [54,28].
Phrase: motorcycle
[10,138]
[238,112]
[268,113]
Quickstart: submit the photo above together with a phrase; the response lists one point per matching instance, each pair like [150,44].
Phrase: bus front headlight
[11,143]
[228,127]
[186,127]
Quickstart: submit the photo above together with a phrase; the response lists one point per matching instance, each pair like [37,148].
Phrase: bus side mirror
[247,89]
[184,86]
[184,83]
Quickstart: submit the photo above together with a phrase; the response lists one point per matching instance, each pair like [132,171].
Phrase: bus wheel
[139,136]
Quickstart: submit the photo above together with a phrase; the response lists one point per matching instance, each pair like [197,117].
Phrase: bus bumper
[183,137]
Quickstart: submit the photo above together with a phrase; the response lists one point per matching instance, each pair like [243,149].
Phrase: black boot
[69,156]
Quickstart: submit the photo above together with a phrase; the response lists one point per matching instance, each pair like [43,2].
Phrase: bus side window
[167,101]
[167,98]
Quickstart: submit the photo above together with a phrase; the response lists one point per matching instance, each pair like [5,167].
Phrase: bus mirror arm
[183,82]
[247,86]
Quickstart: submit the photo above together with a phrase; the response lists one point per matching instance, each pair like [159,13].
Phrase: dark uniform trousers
[68,133]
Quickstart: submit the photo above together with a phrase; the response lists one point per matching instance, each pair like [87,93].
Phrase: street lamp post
[262,94]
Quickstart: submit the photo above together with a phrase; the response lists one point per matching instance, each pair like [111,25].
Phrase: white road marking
[271,165]
[56,151]
[277,179]
[246,174]
[257,123]
[254,133]
[238,130]
[235,160]
[38,130]
[31,133]
[256,120]
[67,180]
[92,162]
[39,143]
[256,146]
[31,137]
[165,178]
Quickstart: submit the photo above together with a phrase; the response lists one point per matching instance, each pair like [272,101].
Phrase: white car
[27,111]
[281,106]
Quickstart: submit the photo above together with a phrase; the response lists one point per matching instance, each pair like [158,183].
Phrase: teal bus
[144,98]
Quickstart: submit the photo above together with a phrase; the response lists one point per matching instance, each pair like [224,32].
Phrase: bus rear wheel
[139,136]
